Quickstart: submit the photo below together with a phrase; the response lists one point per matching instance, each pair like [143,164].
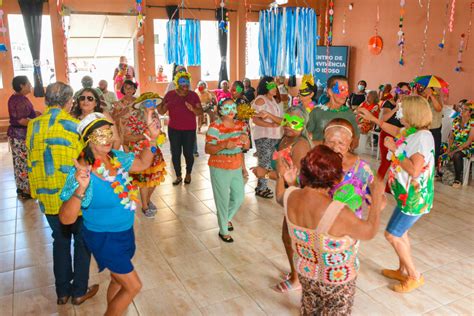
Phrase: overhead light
[281,2]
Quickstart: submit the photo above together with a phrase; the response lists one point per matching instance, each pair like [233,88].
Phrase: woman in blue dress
[100,187]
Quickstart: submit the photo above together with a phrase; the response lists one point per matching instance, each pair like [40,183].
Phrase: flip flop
[286,286]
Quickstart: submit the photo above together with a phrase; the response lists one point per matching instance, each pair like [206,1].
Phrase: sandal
[178,181]
[266,194]
[456,184]
[286,286]
[226,239]
[230,227]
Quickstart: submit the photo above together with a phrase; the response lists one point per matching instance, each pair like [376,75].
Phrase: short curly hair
[321,168]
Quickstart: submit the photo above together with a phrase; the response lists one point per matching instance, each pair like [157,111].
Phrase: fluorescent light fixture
[281,2]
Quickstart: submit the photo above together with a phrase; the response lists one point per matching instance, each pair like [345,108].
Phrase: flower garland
[123,187]
[324,107]
[460,51]
[400,140]
[441,45]
[401,34]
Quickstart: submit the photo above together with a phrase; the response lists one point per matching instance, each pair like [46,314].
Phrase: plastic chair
[467,169]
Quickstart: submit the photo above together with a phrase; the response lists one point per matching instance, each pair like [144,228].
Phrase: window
[210,54]
[22,60]
[159,27]
[252,63]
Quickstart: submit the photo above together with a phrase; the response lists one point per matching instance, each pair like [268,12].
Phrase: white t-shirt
[414,196]
[273,108]
[447,125]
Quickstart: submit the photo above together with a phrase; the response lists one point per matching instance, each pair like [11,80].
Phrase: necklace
[324,107]
[121,182]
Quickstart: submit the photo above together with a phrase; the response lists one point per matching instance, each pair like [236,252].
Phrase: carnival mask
[184,82]
[227,109]
[201,88]
[239,89]
[271,85]
[101,136]
[341,91]
[399,91]
[294,122]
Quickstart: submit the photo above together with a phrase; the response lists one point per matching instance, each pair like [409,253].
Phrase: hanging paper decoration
[375,42]
[451,18]
[401,34]
[425,37]
[344,23]
[139,8]
[3,30]
[224,22]
[446,11]
[460,51]
[330,13]
[62,11]
[469,26]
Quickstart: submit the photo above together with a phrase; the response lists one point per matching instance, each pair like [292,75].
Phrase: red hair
[321,168]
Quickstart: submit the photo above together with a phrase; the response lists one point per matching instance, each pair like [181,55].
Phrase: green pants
[228,189]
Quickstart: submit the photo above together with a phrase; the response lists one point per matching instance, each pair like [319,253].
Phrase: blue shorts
[399,222]
[111,250]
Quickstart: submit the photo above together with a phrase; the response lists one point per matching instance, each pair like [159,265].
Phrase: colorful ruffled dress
[136,125]
[460,136]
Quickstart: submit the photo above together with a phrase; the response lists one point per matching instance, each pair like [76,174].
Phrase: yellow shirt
[52,143]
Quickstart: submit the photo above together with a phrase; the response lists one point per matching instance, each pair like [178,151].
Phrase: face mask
[271,85]
[101,137]
[150,103]
[239,89]
[361,87]
[294,122]
[183,82]
[340,91]
[227,109]
[201,88]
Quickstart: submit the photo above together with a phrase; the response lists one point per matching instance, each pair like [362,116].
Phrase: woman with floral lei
[411,179]
[338,91]
[293,146]
[226,138]
[99,186]
[461,141]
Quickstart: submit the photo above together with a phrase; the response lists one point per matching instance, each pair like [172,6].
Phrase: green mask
[271,85]
[293,121]
[239,89]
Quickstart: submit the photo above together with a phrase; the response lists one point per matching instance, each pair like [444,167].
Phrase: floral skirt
[18,147]
[319,298]
[154,175]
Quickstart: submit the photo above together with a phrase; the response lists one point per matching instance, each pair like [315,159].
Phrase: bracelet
[79,196]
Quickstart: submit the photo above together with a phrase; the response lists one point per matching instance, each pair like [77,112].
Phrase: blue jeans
[399,222]
[71,279]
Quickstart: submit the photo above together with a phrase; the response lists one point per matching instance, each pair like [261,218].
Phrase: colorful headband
[341,126]
[270,85]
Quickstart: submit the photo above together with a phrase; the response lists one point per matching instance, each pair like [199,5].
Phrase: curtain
[32,12]
[183,42]
[294,51]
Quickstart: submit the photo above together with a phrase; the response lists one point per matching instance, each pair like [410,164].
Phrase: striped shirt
[218,133]
[52,143]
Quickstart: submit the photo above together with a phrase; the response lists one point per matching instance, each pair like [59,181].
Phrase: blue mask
[227,109]
[184,82]
[360,87]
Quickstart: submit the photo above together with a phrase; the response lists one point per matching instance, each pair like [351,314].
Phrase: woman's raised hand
[83,174]
[153,124]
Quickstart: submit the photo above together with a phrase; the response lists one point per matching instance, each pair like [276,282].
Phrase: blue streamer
[183,42]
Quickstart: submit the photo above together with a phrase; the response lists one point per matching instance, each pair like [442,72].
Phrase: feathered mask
[182,79]
[307,85]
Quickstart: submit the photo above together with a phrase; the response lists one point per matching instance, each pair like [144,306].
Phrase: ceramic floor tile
[212,289]
[434,253]
[190,209]
[163,215]
[182,245]
[8,203]
[203,263]
[242,305]
[154,276]
[210,238]
[6,305]
[100,308]
[402,304]
[389,260]
[274,303]
[7,228]
[165,302]
[256,275]
[365,305]
[33,238]
[200,223]
[33,223]
[7,243]
[30,257]
[168,229]
[444,288]
[464,306]
[369,276]
[6,283]
[236,254]
[33,277]
[441,311]
[40,301]
[7,261]
[8,214]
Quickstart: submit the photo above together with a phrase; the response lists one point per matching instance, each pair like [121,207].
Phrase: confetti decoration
[469,26]
[425,37]
[401,34]
[3,30]
[446,11]
[61,11]
[331,21]
[460,51]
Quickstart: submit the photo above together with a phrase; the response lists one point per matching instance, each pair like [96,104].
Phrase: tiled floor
[187,270]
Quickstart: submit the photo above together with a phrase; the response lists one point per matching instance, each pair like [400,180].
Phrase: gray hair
[58,93]
[374,94]
[87,82]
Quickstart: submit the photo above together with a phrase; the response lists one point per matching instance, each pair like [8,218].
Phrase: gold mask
[101,136]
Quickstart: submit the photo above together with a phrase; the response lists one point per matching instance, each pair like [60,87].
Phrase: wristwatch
[267,175]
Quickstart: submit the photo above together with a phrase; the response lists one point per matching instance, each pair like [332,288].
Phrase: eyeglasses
[89,98]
